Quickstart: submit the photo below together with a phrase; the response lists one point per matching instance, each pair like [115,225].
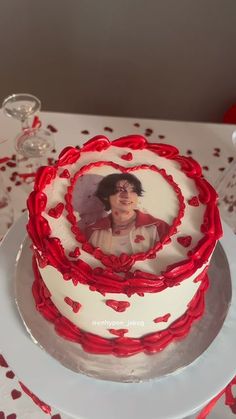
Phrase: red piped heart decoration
[194,201]
[128,156]
[3,363]
[185,241]
[65,174]
[161,319]
[118,306]
[118,332]
[16,394]
[75,253]
[139,238]
[56,211]
[75,305]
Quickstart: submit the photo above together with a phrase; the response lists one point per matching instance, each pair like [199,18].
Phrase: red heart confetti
[118,306]
[230,159]
[3,363]
[189,152]
[15,394]
[118,332]
[11,416]
[128,156]
[85,131]
[75,305]
[57,416]
[56,211]
[10,374]
[137,124]
[161,319]
[194,201]
[185,241]
[51,128]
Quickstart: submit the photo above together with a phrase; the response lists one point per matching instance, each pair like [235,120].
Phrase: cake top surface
[126,215]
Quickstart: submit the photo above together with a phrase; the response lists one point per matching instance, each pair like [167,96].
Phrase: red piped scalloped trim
[123,262]
[120,346]
[50,250]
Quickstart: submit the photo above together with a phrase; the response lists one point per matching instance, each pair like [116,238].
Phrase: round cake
[122,235]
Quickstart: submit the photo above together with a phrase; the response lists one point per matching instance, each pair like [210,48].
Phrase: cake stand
[176,395]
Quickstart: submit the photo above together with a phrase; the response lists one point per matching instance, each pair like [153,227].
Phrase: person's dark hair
[107,186]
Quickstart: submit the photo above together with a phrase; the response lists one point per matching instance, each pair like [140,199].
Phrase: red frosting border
[120,346]
[123,262]
[49,250]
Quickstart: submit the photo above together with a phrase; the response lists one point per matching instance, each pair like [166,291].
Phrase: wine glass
[226,189]
[33,143]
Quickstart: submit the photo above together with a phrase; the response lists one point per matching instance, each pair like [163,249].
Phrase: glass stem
[24,124]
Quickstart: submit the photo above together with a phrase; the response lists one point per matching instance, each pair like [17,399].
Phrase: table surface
[210,144]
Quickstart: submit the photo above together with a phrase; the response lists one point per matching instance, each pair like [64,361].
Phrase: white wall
[169,59]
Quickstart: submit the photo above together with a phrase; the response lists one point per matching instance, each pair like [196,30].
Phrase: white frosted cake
[123,232]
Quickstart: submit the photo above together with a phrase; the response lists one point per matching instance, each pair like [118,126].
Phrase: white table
[210,144]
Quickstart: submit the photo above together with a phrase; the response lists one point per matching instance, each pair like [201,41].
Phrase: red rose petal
[108,129]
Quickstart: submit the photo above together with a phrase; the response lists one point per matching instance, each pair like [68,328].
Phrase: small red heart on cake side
[118,306]
[16,394]
[75,305]
[161,319]
[56,211]
[185,241]
[118,332]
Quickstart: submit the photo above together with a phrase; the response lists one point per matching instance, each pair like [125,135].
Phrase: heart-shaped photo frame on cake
[104,190]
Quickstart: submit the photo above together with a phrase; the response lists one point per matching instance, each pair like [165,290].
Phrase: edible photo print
[123,212]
